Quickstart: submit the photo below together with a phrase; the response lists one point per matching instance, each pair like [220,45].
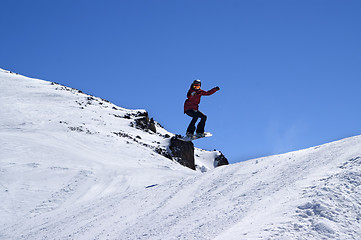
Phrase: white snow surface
[72,166]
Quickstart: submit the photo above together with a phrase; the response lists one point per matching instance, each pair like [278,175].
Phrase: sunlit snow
[65,173]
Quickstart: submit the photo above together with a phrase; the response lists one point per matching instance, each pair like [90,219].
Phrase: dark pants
[194,114]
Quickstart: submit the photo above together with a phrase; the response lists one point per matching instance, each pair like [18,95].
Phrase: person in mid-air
[191,108]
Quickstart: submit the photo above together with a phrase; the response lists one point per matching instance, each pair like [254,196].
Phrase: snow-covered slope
[73,166]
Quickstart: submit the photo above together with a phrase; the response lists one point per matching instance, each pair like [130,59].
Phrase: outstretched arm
[210,92]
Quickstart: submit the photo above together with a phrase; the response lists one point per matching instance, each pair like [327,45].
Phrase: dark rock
[152,125]
[117,116]
[163,152]
[220,160]
[143,122]
[182,152]
[127,116]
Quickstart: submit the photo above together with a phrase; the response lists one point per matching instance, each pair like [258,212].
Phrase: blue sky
[289,71]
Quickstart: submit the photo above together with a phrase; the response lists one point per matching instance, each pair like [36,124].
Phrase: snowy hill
[73,166]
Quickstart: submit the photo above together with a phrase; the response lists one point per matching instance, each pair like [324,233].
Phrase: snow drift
[74,166]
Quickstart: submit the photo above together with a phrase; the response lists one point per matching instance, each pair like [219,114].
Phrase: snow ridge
[74,166]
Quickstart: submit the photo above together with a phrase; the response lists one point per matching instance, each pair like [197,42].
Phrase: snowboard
[194,137]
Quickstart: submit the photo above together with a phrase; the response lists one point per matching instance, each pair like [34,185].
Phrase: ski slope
[73,166]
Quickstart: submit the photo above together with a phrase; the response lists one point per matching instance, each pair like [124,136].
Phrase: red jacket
[194,97]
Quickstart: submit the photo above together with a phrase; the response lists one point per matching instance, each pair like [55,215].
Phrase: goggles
[197,86]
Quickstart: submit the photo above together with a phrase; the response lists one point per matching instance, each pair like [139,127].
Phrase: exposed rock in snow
[220,160]
[182,151]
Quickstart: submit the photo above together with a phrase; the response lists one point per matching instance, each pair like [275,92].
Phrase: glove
[217,88]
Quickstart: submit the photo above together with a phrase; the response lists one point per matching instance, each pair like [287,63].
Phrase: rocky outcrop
[220,160]
[182,151]
[143,122]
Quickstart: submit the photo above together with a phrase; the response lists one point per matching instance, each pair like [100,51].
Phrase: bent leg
[192,125]
[202,123]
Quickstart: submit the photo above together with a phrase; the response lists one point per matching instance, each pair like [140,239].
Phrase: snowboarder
[191,108]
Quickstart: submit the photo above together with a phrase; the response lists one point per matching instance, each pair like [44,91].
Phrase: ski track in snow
[66,175]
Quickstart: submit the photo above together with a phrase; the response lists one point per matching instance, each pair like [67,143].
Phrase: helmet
[196,84]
